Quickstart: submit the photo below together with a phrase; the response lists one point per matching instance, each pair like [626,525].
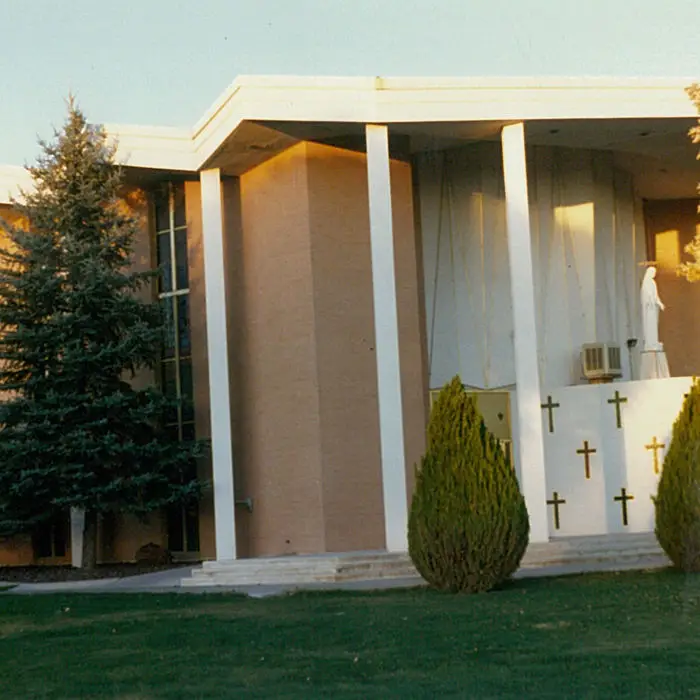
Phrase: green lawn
[601,636]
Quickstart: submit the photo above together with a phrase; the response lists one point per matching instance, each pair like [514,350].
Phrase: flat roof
[387,100]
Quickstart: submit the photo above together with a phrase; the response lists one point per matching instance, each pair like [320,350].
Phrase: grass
[597,636]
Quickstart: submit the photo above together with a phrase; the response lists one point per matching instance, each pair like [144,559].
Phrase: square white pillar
[527,376]
[217,349]
[77,533]
[386,328]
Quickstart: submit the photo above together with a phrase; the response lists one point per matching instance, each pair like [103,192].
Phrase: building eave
[415,100]
[394,101]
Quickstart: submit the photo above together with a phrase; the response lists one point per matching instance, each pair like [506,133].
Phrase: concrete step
[624,551]
[598,548]
[301,569]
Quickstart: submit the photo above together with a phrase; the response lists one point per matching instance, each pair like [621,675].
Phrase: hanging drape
[587,241]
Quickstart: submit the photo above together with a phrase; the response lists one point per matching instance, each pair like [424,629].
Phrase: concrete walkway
[157,582]
[169,581]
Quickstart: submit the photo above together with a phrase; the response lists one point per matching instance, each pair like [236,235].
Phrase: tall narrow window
[173,291]
[176,362]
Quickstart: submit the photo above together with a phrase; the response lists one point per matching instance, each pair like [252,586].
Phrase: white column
[77,530]
[530,443]
[386,328]
[217,348]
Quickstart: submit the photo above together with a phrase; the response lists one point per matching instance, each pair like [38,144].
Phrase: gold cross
[656,446]
[586,452]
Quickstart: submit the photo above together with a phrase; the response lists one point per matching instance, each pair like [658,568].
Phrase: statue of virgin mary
[651,305]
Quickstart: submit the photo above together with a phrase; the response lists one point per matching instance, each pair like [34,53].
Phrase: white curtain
[587,241]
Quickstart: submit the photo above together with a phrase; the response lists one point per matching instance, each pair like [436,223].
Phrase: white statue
[651,304]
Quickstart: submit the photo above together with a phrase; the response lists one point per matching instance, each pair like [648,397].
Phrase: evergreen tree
[74,331]
[691,270]
[678,499]
[468,527]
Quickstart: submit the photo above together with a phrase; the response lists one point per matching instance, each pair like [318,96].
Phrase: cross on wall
[556,502]
[656,446]
[586,451]
[549,406]
[622,500]
[618,400]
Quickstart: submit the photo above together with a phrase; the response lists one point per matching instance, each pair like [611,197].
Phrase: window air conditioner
[601,361]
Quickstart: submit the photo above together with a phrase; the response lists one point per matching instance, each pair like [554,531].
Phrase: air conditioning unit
[602,362]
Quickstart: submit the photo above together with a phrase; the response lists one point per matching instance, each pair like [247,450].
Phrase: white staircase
[638,550]
[565,555]
[300,569]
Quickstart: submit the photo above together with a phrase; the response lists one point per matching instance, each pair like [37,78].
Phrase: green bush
[678,498]
[468,527]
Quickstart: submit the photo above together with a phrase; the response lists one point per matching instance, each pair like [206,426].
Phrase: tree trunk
[90,540]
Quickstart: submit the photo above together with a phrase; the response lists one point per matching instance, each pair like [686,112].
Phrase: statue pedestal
[654,365]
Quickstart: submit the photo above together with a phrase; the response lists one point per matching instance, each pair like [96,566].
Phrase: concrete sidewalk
[170,581]
[158,581]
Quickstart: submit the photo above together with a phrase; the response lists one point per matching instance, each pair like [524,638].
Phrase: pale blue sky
[165,61]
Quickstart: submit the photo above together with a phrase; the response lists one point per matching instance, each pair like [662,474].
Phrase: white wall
[587,236]
[622,457]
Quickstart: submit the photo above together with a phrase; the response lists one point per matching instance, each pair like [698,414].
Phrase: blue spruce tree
[73,330]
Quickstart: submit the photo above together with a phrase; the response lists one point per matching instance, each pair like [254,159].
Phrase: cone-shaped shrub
[678,498]
[468,526]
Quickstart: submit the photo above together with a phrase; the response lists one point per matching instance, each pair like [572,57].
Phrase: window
[174,295]
[176,362]
[50,539]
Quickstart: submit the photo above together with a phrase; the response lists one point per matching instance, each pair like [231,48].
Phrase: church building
[335,250]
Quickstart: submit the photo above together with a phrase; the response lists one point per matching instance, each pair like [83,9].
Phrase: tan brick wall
[9,217]
[303,366]
[412,328]
[275,382]
[14,551]
[8,214]
[344,312]
[200,365]
[670,225]
[347,366]
[130,532]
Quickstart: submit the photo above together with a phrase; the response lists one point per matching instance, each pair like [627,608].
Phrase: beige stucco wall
[344,313]
[8,214]
[275,381]
[346,358]
[412,327]
[198,340]
[303,366]
[129,533]
[15,551]
[670,225]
